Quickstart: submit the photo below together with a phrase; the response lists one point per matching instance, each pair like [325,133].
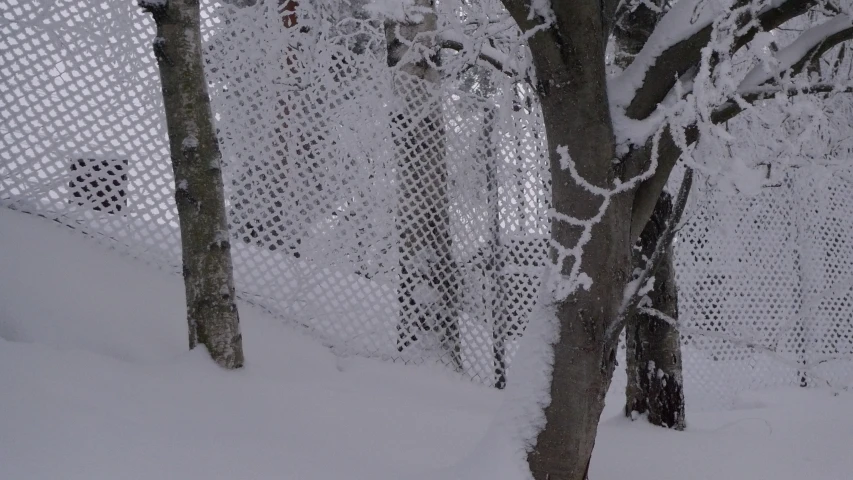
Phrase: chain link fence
[388,216]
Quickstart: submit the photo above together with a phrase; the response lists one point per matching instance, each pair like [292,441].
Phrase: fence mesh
[765,285]
[389,216]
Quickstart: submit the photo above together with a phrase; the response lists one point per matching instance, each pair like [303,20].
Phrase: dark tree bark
[569,62]
[655,383]
[205,242]
[633,27]
[653,354]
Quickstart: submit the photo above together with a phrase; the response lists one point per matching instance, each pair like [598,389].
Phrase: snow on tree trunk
[570,68]
[601,202]
[211,309]
[655,383]
[428,285]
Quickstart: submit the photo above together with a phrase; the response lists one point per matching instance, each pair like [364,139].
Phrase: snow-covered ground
[95,383]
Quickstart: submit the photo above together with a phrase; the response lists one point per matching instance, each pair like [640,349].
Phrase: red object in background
[288,10]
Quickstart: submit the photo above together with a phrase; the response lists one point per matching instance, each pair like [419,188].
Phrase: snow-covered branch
[796,52]
[716,99]
[676,46]
[731,108]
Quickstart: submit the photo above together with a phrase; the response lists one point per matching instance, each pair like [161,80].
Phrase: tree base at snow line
[212,317]
[569,64]
[654,387]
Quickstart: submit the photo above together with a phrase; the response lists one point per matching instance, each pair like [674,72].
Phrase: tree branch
[608,15]
[664,240]
[672,63]
[826,45]
[633,27]
[731,108]
[669,152]
[793,57]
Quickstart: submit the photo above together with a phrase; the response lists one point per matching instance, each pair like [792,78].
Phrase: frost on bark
[428,289]
[569,65]
[655,383]
[207,269]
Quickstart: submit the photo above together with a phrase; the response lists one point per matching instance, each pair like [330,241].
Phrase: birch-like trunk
[655,382]
[428,289]
[196,161]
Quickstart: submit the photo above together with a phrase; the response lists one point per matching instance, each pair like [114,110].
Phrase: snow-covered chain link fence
[766,285]
[389,216]
[346,196]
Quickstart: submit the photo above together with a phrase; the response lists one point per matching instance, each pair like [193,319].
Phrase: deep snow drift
[95,383]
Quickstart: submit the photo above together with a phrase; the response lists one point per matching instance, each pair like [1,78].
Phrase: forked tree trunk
[568,52]
[655,383]
[208,278]
[428,288]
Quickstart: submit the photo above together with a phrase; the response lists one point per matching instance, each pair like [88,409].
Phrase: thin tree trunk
[655,383]
[653,355]
[208,278]
[263,213]
[428,284]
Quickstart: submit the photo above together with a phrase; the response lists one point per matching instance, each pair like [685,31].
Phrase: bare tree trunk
[428,283]
[572,88]
[653,355]
[262,217]
[655,383]
[208,278]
